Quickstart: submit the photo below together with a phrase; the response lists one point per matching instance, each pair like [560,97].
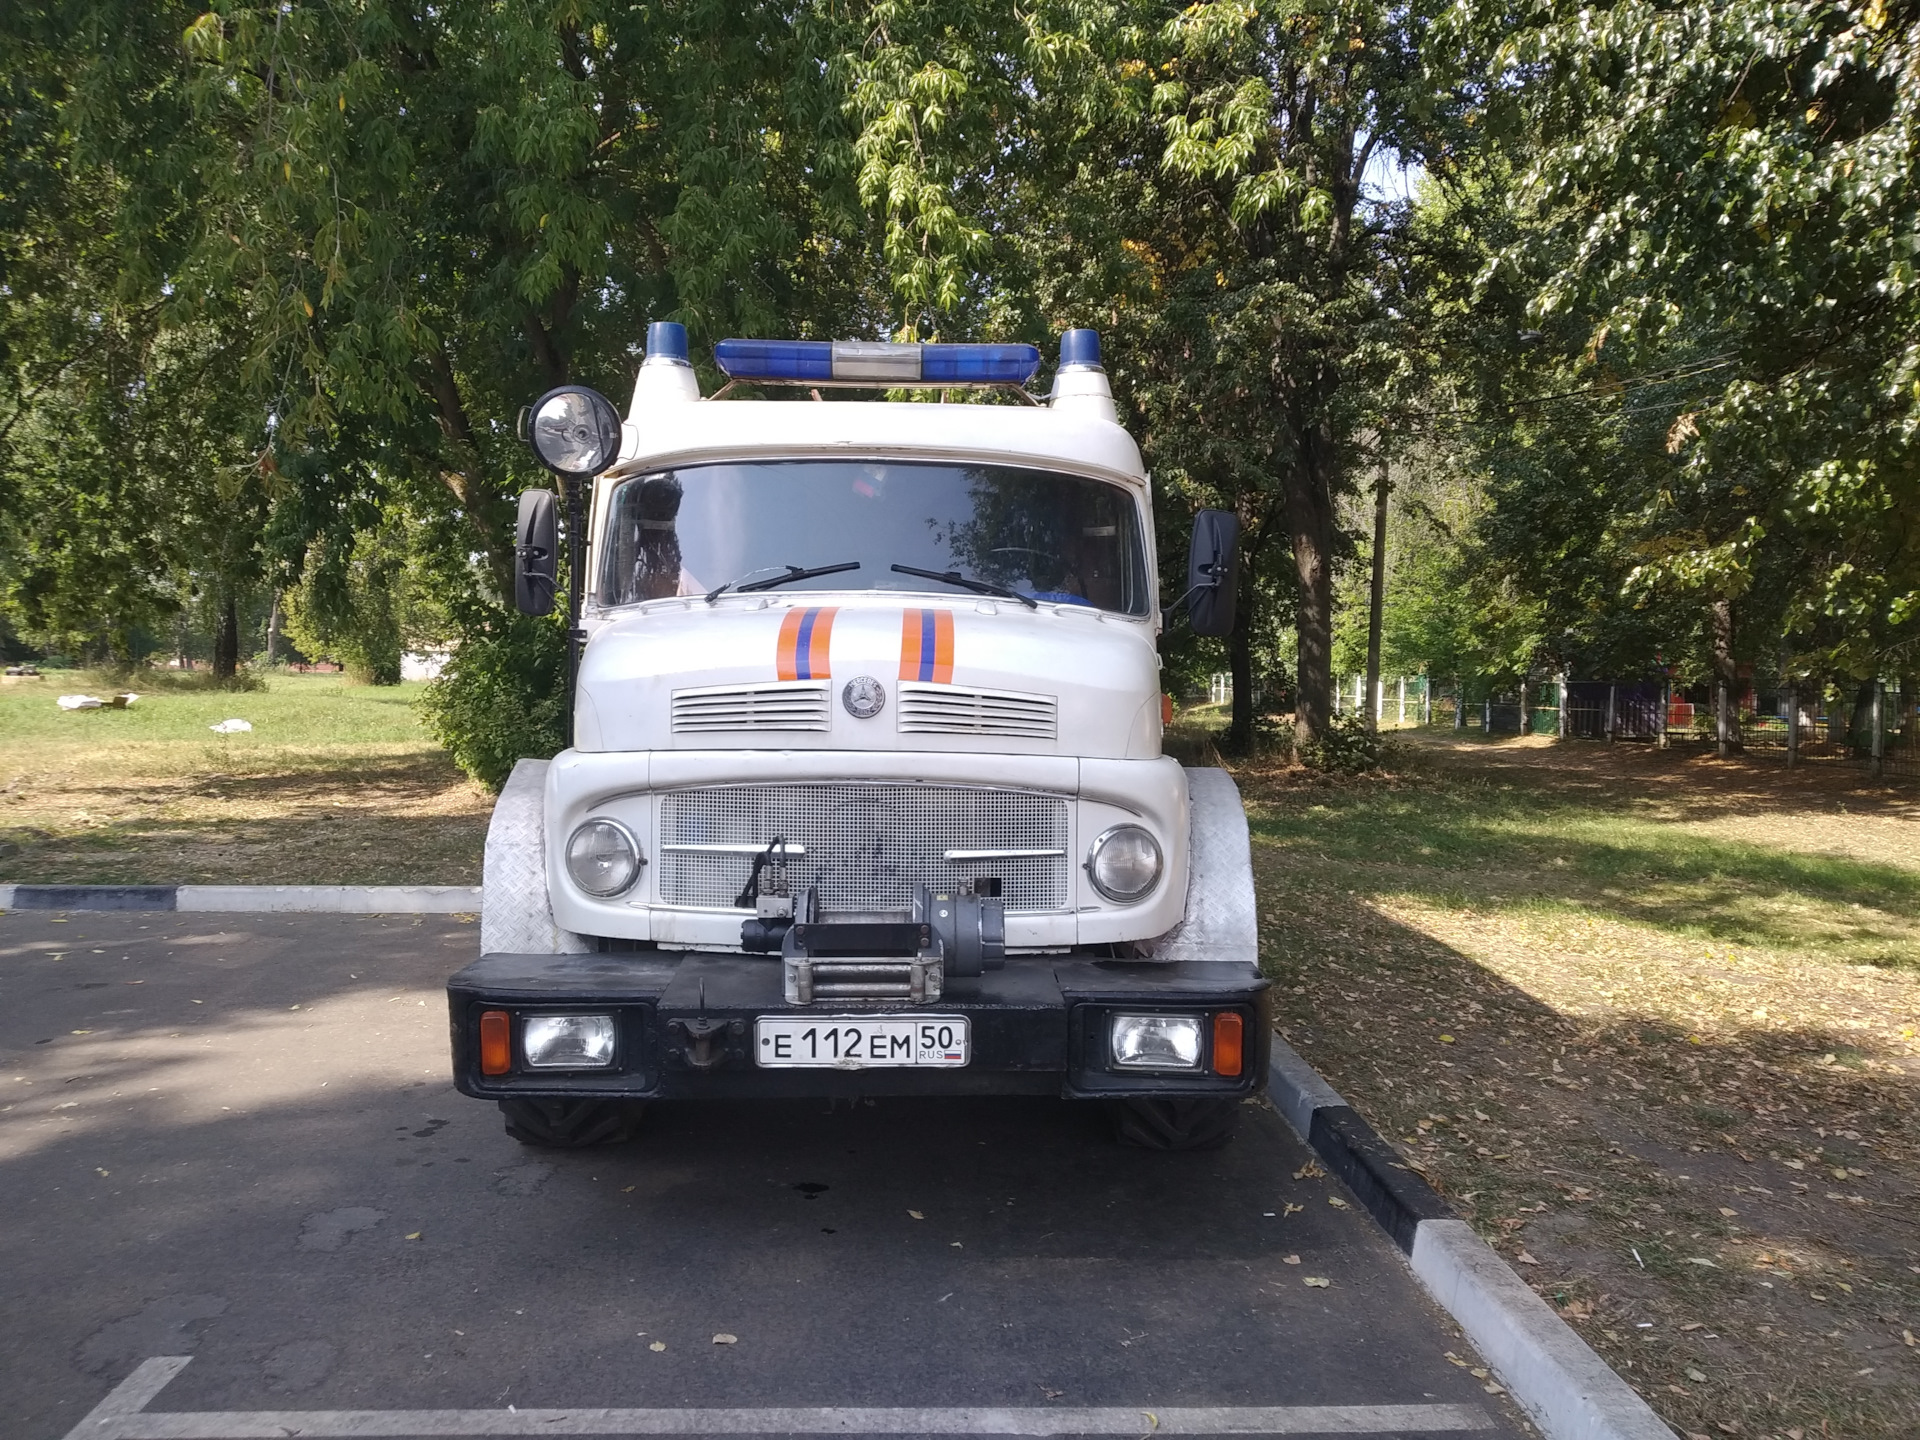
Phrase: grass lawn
[336,784]
[1650,1022]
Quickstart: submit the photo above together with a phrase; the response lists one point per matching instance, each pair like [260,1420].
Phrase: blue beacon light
[666,343]
[1080,349]
[863,362]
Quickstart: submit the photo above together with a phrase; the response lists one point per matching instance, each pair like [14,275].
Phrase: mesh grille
[867,846]
[943,710]
[789,705]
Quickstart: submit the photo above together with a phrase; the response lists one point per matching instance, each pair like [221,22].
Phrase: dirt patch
[1652,1023]
[344,815]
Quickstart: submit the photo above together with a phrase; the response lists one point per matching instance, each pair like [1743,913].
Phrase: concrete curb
[249,899]
[1554,1375]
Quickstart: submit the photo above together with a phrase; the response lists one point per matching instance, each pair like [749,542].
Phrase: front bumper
[684,1023]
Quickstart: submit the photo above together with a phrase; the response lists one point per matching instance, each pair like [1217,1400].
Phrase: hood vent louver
[947,710]
[776,705]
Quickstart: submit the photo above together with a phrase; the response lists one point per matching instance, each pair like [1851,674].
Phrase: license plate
[862,1042]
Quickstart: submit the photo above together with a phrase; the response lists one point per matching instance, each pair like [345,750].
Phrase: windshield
[1052,537]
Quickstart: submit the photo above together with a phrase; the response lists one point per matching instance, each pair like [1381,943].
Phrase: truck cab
[865,794]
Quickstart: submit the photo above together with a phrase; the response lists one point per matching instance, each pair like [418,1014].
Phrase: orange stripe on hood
[926,646]
[806,638]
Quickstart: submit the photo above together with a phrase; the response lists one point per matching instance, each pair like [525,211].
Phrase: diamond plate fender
[515,916]
[1220,920]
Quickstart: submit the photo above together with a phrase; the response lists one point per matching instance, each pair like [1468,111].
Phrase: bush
[502,696]
[1350,747]
[149,679]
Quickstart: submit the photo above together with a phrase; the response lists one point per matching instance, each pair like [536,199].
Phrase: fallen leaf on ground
[416,1235]
[1309,1171]
[1318,1282]
[1699,1377]
[658,1345]
[916,1214]
[1295,1260]
[725,1339]
[1525,1259]
[1336,1202]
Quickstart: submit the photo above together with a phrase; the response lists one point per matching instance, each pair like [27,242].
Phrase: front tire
[1153,1122]
[571,1124]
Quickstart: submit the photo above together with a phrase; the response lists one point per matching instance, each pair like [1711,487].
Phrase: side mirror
[574,430]
[536,553]
[1213,571]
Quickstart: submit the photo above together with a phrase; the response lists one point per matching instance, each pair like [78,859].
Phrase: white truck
[866,793]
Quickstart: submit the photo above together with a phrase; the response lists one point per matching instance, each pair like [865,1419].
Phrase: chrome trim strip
[695,847]
[952,855]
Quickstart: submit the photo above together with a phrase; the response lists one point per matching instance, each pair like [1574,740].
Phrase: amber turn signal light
[1227,1033]
[496,1043]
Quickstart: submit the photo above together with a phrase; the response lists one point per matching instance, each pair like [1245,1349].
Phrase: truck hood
[855,671]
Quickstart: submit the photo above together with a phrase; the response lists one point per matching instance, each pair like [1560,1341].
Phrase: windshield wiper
[979,587]
[794,572]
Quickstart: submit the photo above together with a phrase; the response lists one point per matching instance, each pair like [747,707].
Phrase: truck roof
[670,424]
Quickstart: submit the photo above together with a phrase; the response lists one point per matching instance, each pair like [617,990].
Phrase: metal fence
[1873,725]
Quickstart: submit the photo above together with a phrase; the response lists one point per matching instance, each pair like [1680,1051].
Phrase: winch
[879,955]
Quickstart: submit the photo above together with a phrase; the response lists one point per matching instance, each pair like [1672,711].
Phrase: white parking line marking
[123,1416]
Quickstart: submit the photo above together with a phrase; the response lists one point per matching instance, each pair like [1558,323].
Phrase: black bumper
[1038,1027]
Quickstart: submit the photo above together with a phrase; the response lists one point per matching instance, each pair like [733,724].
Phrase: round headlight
[603,857]
[1124,863]
[575,431]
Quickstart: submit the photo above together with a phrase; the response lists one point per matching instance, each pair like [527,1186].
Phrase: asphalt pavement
[234,1138]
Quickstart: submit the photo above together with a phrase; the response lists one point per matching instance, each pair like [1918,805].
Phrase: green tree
[1716,205]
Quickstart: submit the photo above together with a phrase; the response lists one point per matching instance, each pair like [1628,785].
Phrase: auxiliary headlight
[603,857]
[568,1042]
[575,431]
[1124,863]
[1156,1042]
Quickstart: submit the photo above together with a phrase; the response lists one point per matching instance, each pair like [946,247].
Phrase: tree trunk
[1860,730]
[1240,665]
[1726,671]
[273,629]
[1376,602]
[471,482]
[226,641]
[1309,485]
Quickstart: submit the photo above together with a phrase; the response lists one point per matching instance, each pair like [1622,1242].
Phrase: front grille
[865,845]
[943,710]
[780,705]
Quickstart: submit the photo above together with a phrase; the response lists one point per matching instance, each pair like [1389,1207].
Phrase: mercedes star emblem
[863,697]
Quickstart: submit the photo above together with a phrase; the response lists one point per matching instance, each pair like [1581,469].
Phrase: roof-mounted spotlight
[574,430]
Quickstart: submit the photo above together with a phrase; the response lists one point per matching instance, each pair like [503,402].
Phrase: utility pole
[1378,600]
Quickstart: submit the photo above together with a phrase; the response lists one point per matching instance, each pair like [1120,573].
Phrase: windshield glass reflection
[1057,538]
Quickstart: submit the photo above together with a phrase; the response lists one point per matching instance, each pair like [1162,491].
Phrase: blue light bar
[774,359]
[866,362]
[979,364]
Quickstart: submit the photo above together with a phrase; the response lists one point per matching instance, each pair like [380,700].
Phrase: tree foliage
[1715,222]
[274,280]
